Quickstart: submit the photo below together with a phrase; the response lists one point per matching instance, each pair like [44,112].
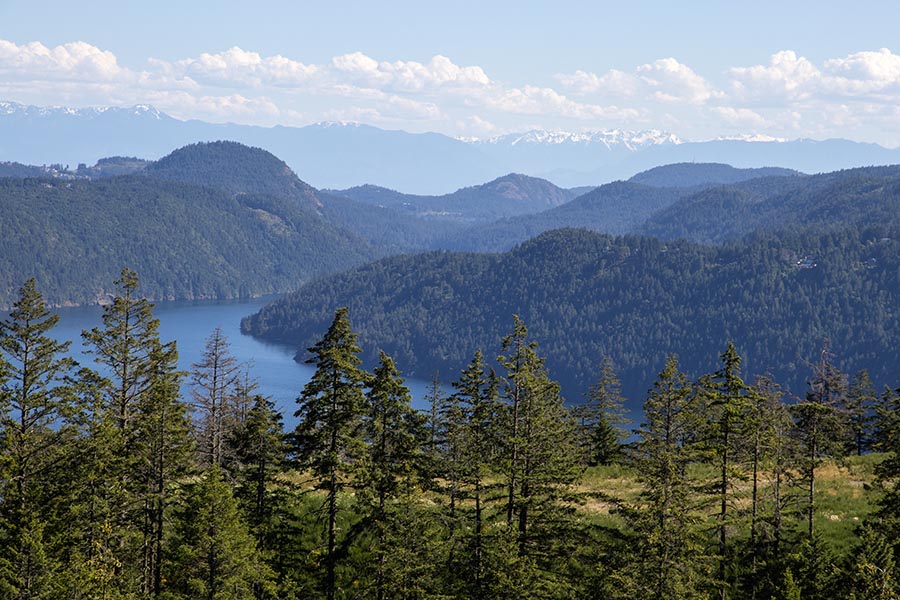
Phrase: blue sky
[696,69]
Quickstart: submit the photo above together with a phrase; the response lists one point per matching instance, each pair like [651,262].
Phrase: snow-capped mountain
[340,155]
[610,138]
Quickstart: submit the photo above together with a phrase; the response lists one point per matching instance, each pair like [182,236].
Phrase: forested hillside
[634,298]
[506,196]
[728,487]
[704,174]
[616,208]
[189,241]
[858,196]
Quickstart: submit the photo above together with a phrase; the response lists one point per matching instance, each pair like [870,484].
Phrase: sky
[699,70]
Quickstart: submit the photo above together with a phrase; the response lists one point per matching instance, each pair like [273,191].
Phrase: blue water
[191,323]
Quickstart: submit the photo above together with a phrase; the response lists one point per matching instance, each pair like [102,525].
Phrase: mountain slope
[686,175]
[233,167]
[341,155]
[506,196]
[185,241]
[864,196]
[584,294]
[616,208]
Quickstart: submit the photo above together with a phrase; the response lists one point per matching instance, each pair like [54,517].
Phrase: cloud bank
[786,95]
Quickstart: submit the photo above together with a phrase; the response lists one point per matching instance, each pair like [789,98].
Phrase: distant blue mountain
[341,155]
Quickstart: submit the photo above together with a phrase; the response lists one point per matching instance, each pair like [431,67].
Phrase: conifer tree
[476,394]
[128,347]
[327,439]
[820,426]
[872,571]
[215,380]
[140,377]
[163,447]
[669,563]
[393,462]
[259,449]
[540,457]
[859,404]
[729,401]
[35,434]
[601,418]
[215,557]
[887,472]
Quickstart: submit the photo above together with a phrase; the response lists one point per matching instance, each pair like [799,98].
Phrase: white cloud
[238,67]
[408,76]
[73,61]
[786,77]
[533,100]
[741,117]
[671,81]
[856,95]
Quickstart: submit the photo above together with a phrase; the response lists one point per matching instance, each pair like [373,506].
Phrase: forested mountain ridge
[189,241]
[510,195]
[617,208]
[704,212]
[704,174]
[634,298]
[234,167]
[859,196]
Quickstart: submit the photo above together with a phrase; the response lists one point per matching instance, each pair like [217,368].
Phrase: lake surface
[191,323]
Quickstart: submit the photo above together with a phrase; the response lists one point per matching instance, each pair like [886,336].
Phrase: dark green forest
[115,486]
[633,298]
[190,242]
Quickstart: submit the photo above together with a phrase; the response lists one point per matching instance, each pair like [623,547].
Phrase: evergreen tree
[393,463]
[327,439]
[259,449]
[128,347]
[668,561]
[476,395]
[35,435]
[601,418]
[140,379]
[215,557]
[768,432]
[540,458]
[216,378]
[859,404]
[872,570]
[820,425]
[729,401]
[163,447]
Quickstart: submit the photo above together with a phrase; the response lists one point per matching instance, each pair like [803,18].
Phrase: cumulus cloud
[533,100]
[786,94]
[665,80]
[238,67]
[72,61]
[408,76]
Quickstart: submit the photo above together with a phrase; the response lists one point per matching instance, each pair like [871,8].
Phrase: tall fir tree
[821,426]
[541,457]
[215,379]
[139,372]
[860,404]
[35,439]
[601,418]
[328,436]
[668,562]
[729,401]
[214,555]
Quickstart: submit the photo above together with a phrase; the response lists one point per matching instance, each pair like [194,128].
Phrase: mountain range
[346,155]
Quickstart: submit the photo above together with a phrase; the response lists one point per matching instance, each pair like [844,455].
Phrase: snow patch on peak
[750,137]
[610,138]
[335,124]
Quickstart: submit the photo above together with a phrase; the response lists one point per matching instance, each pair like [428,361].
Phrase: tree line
[113,485]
